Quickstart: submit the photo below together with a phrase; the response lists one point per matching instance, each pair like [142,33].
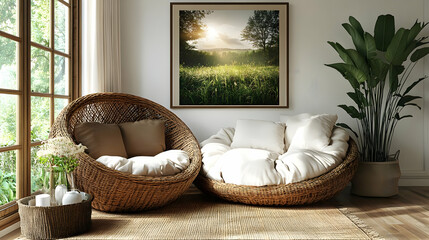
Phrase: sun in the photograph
[211,34]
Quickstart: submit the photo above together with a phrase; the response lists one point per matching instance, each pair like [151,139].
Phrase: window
[39,76]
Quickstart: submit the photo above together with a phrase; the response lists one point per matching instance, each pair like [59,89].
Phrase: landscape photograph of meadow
[229,57]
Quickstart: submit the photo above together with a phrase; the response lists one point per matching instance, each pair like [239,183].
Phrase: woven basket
[54,222]
[304,192]
[116,191]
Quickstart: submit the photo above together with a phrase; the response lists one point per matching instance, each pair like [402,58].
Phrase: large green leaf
[358,60]
[396,49]
[379,71]
[397,117]
[352,111]
[394,72]
[356,25]
[410,47]
[414,31]
[420,42]
[406,99]
[343,125]
[412,42]
[409,88]
[384,31]
[413,104]
[357,38]
[341,68]
[371,49]
[419,53]
[350,72]
[341,52]
[358,98]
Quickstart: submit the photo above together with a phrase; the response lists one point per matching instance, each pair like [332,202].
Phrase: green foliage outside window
[40,74]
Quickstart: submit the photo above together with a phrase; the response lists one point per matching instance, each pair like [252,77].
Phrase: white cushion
[165,163]
[212,152]
[114,162]
[253,167]
[301,164]
[293,122]
[150,166]
[315,134]
[259,134]
[223,136]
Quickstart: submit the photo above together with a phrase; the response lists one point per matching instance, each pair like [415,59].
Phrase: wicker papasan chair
[305,192]
[115,191]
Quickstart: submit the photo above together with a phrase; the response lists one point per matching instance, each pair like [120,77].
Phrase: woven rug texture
[197,216]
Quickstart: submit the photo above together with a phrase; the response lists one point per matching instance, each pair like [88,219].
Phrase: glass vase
[51,188]
[71,181]
[56,177]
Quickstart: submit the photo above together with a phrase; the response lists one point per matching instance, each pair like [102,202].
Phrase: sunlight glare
[211,33]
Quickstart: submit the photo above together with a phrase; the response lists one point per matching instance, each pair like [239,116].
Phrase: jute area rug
[197,216]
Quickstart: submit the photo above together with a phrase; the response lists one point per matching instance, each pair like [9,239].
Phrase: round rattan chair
[304,192]
[115,191]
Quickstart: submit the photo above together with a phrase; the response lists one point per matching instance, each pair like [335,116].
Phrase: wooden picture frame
[219,59]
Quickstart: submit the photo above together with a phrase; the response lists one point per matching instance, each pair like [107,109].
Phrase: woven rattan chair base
[305,192]
[116,191]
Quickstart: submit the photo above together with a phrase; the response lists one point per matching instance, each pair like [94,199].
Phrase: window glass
[61,27]
[40,113]
[8,120]
[8,66]
[39,70]
[39,176]
[61,75]
[7,176]
[40,22]
[60,103]
[8,17]
[49,78]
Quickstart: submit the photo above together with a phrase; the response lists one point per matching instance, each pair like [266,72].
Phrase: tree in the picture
[191,27]
[262,29]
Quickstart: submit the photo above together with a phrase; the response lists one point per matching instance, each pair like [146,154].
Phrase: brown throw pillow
[101,139]
[143,138]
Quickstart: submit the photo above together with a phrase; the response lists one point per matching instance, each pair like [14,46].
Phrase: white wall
[315,88]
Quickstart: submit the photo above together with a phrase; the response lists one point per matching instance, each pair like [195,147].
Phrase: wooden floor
[405,216]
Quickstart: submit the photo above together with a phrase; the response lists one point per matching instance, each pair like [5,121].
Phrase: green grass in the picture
[229,85]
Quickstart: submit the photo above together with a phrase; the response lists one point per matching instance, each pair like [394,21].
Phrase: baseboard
[9,229]
[414,178]
[414,182]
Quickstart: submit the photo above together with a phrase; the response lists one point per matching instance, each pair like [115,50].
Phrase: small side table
[55,221]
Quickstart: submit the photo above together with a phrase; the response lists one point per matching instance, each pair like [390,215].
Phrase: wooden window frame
[9,212]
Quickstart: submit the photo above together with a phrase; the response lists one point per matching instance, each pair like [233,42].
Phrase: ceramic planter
[376,179]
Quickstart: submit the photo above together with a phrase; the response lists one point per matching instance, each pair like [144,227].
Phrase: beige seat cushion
[143,138]
[101,139]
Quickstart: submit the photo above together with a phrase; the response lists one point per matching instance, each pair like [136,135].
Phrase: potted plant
[378,69]
[59,155]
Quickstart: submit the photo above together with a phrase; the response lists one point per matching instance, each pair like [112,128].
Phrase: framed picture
[229,55]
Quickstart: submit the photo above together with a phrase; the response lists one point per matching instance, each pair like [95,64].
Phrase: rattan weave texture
[54,222]
[116,191]
[304,192]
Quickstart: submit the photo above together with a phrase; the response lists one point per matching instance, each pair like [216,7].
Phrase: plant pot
[376,179]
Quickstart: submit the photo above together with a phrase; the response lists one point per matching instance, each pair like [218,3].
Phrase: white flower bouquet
[60,152]
[60,155]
